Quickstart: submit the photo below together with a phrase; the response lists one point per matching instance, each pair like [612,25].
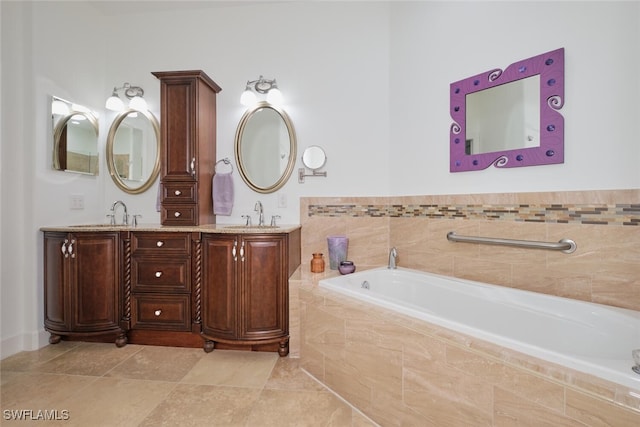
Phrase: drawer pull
[157,312]
[176,214]
[159,243]
[158,273]
[177,192]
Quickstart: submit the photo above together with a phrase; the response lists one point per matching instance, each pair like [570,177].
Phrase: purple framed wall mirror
[509,118]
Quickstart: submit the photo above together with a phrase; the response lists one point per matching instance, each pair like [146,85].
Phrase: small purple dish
[346,267]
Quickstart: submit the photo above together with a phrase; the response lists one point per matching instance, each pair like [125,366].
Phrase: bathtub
[591,338]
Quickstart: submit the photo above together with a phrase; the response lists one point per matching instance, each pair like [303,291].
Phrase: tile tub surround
[605,224]
[401,371]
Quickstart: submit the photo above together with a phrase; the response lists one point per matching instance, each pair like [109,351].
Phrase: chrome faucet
[393,253]
[258,208]
[125,216]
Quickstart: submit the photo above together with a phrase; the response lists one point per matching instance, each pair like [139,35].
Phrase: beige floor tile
[35,391]
[287,375]
[204,405]
[27,360]
[158,363]
[233,368]
[94,359]
[299,408]
[115,402]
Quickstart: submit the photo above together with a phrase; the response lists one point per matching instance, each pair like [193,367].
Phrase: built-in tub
[592,338]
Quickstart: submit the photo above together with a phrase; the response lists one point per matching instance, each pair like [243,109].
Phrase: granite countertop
[206,228]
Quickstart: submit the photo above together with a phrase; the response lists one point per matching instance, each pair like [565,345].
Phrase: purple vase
[337,250]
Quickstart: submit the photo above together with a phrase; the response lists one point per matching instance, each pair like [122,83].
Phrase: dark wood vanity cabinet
[161,281]
[82,285]
[188,146]
[245,295]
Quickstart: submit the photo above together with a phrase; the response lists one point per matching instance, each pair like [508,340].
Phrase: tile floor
[96,384]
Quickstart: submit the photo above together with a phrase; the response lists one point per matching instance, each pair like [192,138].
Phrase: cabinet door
[178,129]
[57,314]
[264,290]
[219,303]
[95,281]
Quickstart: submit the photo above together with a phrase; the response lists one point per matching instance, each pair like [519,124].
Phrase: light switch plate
[76,202]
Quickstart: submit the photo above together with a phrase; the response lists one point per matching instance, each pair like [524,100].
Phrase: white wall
[368,81]
[436,43]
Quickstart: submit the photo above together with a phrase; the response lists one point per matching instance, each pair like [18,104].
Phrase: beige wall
[604,269]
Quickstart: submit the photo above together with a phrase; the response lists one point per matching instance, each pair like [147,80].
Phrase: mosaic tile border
[619,214]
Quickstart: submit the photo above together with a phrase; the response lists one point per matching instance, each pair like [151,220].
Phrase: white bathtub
[591,338]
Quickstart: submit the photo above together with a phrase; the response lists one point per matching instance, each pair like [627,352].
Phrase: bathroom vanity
[211,285]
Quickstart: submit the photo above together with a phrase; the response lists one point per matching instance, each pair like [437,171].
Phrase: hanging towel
[222,192]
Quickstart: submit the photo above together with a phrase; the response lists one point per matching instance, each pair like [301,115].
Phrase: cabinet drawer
[160,274]
[161,243]
[179,192]
[178,214]
[161,312]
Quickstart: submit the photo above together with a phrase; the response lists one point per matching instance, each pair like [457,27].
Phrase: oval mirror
[314,157]
[133,150]
[265,147]
[75,137]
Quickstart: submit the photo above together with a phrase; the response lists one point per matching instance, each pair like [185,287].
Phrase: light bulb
[114,103]
[275,96]
[138,103]
[248,98]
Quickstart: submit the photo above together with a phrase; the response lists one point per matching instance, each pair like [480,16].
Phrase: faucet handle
[135,219]
[247,220]
[112,219]
[273,220]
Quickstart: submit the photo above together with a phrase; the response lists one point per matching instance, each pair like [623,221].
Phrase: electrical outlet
[282,200]
[76,202]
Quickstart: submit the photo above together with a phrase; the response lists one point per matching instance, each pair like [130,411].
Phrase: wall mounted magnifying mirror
[75,137]
[509,118]
[265,147]
[313,158]
[133,150]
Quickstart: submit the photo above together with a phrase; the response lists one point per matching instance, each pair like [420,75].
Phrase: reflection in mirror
[75,137]
[265,147]
[313,158]
[133,154]
[509,119]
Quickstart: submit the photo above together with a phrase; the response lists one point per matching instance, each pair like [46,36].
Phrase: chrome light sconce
[133,93]
[264,87]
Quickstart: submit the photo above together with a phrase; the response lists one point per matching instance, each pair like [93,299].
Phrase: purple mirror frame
[550,67]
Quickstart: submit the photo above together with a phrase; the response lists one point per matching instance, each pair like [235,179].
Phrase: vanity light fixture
[134,93]
[262,86]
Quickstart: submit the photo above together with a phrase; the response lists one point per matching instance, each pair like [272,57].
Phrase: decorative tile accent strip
[619,214]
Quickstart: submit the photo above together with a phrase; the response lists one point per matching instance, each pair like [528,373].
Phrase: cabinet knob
[157,312]
[159,243]
[176,214]
[177,192]
[158,273]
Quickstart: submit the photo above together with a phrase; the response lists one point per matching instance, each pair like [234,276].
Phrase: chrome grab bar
[565,245]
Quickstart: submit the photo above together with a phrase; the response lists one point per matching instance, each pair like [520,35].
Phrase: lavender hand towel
[222,192]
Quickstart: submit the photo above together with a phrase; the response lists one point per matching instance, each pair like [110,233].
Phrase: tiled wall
[400,371]
[404,372]
[605,224]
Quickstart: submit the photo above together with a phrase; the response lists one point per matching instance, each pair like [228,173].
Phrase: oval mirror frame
[111,164]
[242,164]
[58,131]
